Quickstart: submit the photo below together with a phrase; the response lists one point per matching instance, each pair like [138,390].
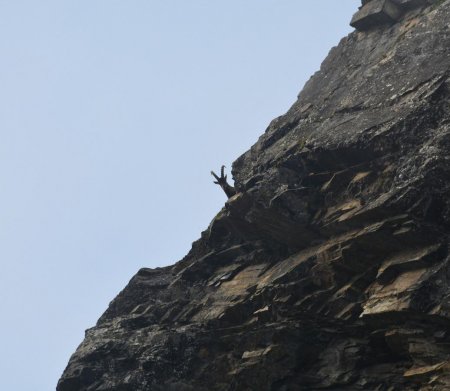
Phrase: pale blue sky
[112,114]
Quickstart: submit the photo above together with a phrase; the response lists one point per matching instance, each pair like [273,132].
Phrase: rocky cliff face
[329,269]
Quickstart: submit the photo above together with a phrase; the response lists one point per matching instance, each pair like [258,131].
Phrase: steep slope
[329,269]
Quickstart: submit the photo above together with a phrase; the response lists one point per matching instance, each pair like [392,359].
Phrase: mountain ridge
[329,269]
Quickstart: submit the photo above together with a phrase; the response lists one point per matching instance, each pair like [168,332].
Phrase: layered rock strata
[329,269]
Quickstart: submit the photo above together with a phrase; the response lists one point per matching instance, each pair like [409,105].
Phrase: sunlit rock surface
[329,269]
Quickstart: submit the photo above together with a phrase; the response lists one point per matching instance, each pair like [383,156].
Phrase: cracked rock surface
[330,267]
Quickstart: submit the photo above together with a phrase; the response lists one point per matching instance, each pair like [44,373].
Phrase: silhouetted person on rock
[230,191]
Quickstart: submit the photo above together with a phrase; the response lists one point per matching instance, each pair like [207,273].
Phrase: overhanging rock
[374,13]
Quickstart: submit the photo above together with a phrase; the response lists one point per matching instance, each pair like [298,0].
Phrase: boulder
[374,13]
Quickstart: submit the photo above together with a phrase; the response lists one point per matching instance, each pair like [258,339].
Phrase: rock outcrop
[373,13]
[329,268]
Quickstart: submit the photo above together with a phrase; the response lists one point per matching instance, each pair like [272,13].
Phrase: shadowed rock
[375,13]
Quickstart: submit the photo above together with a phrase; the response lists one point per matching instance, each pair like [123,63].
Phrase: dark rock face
[374,13]
[330,267]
